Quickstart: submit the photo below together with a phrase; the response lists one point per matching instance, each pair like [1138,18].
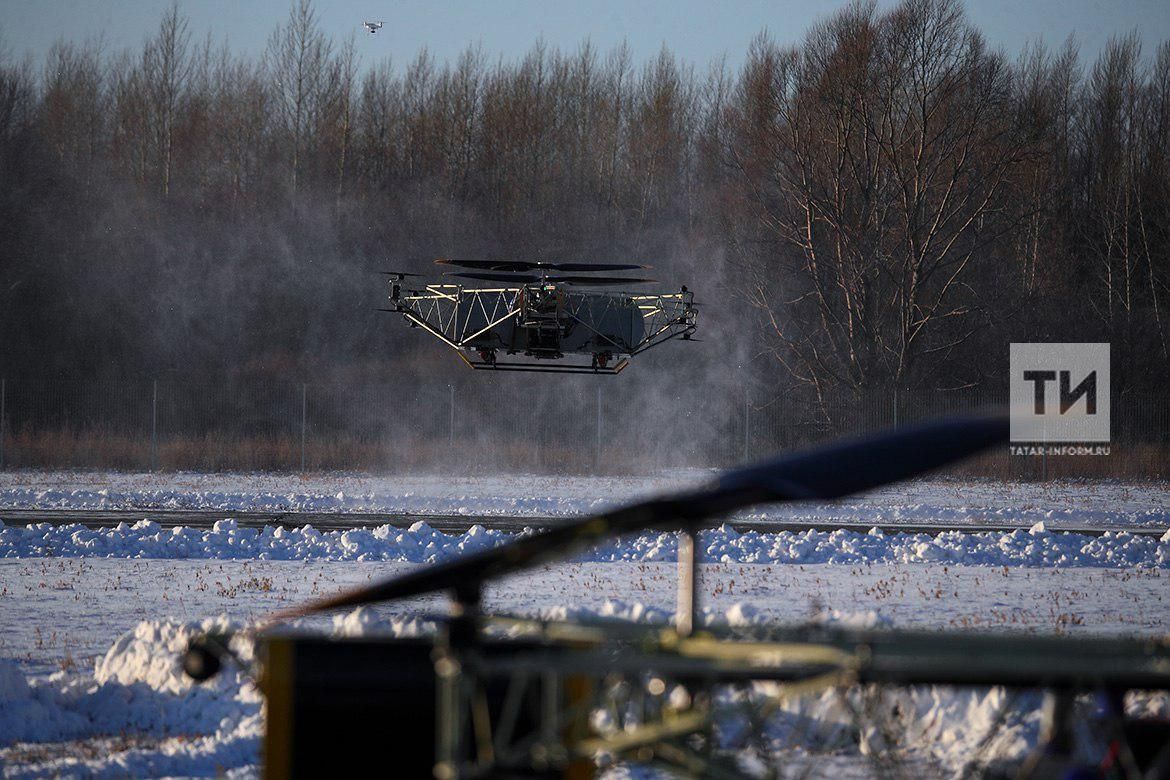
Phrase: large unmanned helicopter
[549,314]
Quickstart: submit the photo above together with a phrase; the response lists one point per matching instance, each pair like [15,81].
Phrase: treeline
[887,204]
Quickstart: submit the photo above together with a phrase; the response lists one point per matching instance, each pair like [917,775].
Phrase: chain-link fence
[492,423]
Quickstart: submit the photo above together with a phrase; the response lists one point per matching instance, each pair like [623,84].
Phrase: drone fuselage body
[601,323]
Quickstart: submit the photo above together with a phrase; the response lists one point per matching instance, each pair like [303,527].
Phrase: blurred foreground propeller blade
[828,472]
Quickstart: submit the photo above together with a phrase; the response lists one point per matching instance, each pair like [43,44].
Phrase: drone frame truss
[436,309]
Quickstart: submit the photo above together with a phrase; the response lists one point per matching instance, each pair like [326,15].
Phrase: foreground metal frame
[513,696]
[661,692]
[516,696]
[660,687]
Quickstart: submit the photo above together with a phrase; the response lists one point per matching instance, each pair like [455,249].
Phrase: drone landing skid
[544,368]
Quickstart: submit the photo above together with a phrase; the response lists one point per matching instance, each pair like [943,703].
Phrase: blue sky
[699,32]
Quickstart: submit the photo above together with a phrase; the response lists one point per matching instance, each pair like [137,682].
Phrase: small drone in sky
[373,27]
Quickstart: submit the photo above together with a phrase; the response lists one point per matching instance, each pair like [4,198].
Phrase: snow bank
[422,544]
[138,692]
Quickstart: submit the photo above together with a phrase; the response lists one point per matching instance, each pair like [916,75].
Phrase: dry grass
[1124,461]
[98,449]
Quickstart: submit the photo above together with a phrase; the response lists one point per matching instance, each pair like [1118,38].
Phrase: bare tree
[876,161]
[239,123]
[297,58]
[166,68]
[18,99]
[72,112]
[342,85]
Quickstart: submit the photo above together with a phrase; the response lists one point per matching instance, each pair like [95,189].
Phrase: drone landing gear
[485,360]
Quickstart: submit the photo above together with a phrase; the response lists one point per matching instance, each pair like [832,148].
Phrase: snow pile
[364,621]
[956,729]
[227,541]
[138,691]
[422,544]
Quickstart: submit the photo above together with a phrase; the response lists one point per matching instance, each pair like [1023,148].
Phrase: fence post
[304,416]
[154,428]
[597,452]
[3,417]
[747,420]
[1044,449]
[687,609]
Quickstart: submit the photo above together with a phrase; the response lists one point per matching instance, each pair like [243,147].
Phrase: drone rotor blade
[828,472]
[521,266]
[490,265]
[578,267]
[397,273]
[489,277]
[587,281]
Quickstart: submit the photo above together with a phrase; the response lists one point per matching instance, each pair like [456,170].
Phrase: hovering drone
[543,313]
[373,27]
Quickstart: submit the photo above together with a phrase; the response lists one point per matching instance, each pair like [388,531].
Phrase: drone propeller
[588,281]
[524,265]
[400,274]
[489,277]
[575,267]
[581,281]
[829,472]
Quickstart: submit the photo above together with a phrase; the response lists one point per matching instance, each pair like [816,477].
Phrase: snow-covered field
[91,677]
[92,622]
[1095,503]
